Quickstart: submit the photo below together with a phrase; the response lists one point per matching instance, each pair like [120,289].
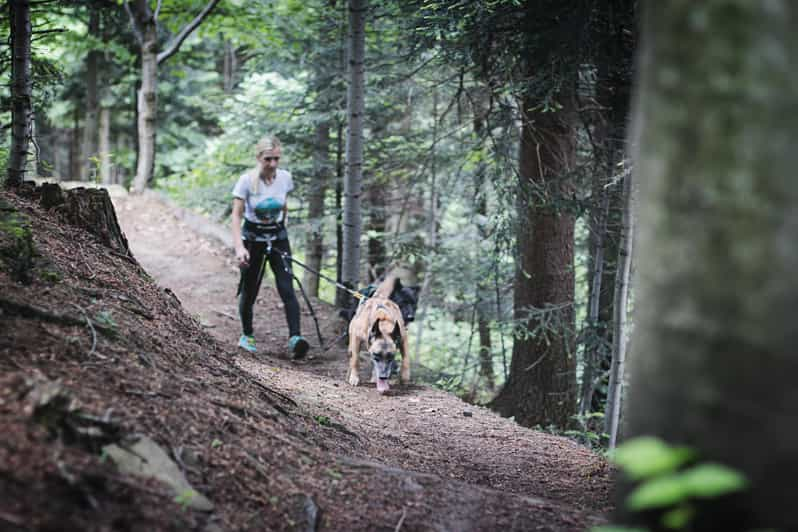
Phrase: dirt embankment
[96,352]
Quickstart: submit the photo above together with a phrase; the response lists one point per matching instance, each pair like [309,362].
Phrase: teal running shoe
[298,346]
[248,343]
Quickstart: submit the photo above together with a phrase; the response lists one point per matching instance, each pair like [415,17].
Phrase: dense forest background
[453,174]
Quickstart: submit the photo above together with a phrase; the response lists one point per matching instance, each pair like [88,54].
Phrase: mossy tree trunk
[714,360]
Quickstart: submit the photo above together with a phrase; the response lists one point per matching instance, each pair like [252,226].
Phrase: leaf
[658,493]
[678,518]
[646,457]
[713,480]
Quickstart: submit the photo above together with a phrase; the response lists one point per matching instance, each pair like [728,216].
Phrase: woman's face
[269,160]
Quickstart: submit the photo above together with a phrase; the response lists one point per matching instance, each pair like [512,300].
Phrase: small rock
[467,413]
[146,459]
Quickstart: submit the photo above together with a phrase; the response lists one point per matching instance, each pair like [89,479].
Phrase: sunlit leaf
[647,456]
[658,493]
[713,480]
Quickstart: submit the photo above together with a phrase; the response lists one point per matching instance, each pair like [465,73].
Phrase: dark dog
[378,323]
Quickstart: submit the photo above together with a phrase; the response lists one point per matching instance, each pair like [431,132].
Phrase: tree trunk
[21,110]
[485,352]
[145,25]
[318,191]
[594,336]
[105,146]
[229,67]
[484,300]
[147,99]
[714,360]
[350,267]
[342,299]
[377,221]
[541,388]
[612,414]
[75,145]
[88,167]
[616,37]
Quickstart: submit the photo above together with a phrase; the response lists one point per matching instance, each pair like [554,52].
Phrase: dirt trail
[413,429]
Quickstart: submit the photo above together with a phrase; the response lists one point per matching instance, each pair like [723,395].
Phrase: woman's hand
[242,256]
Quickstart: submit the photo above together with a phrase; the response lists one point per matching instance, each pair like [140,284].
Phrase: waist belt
[263,232]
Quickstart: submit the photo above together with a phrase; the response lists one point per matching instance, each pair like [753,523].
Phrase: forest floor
[273,444]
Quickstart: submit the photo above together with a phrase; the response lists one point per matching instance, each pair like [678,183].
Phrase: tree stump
[90,209]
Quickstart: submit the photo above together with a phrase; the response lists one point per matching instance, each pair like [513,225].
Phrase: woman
[260,198]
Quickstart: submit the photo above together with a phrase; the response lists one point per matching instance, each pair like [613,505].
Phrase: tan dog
[378,323]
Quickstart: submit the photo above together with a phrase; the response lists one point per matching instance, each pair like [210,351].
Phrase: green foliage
[671,480]
[184,498]
[647,457]
[324,421]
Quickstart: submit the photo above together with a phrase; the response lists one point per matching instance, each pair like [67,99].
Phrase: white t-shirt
[278,189]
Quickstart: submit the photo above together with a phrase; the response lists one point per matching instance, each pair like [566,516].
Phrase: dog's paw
[354,380]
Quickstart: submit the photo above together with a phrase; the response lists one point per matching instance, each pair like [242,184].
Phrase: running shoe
[298,346]
[248,343]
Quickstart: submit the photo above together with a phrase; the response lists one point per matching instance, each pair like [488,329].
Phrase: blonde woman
[259,199]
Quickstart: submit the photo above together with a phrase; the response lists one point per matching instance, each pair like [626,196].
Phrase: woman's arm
[238,213]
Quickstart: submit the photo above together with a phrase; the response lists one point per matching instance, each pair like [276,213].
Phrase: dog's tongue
[382,385]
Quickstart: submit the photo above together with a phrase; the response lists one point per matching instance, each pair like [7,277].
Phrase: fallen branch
[226,315]
[24,310]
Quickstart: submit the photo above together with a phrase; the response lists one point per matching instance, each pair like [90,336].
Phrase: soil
[274,444]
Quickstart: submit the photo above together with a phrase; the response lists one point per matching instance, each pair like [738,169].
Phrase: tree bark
[318,191]
[350,267]
[612,414]
[713,362]
[105,146]
[89,163]
[541,388]
[21,107]
[377,222]
[229,66]
[147,96]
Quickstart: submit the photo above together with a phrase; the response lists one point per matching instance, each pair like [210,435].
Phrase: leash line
[354,293]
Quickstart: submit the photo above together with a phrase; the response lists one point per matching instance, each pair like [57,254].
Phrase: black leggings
[250,283]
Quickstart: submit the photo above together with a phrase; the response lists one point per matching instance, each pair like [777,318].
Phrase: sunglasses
[270,159]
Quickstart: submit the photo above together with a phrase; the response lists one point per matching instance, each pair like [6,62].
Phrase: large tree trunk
[318,191]
[147,98]
[88,167]
[350,267]
[541,388]
[21,110]
[713,363]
